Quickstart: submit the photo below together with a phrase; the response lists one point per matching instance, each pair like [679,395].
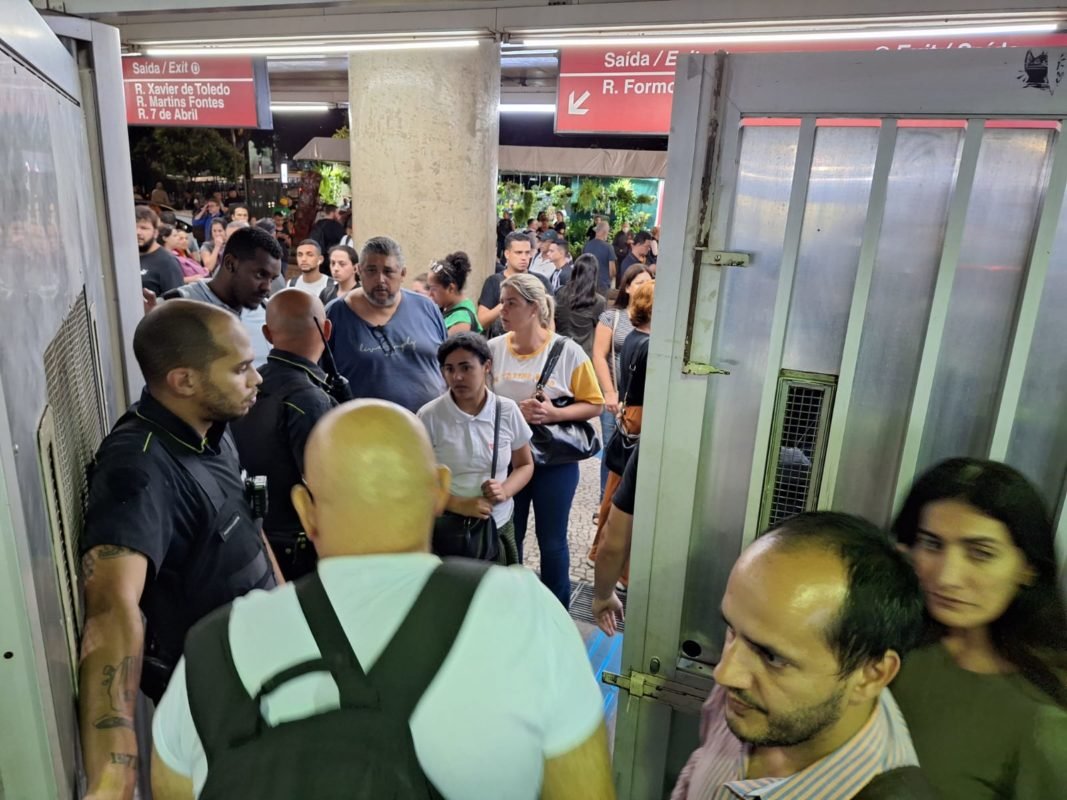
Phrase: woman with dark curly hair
[445,282]
[985,699]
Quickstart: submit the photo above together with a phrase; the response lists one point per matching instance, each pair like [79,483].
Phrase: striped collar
[881,745]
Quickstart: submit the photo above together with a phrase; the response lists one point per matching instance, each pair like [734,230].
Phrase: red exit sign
[630,91]
[196,92]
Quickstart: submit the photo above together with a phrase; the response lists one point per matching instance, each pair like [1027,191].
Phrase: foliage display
[191,152]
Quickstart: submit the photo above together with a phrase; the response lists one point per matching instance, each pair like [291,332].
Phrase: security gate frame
[683,549]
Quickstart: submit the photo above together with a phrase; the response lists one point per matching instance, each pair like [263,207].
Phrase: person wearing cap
[542,265]
[639,253]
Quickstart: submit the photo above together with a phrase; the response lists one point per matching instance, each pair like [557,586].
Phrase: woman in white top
[519,357]
[461,425]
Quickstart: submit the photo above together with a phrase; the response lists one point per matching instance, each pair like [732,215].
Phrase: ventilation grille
[798,443]
[71,430]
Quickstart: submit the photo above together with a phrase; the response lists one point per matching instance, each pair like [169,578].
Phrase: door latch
[661,690]
[723,258]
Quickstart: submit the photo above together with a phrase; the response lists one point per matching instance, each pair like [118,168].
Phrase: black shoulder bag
[470,537]
[561,442]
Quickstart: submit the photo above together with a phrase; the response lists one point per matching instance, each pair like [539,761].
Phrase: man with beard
[168,531]
[160,271]
[242,283]
[818,613]
[385,338]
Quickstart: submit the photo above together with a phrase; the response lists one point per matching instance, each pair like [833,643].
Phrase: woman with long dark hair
[578,306]
[986,698]
[611,332]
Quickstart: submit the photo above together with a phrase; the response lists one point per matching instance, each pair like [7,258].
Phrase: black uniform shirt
[272,437]
[141,498]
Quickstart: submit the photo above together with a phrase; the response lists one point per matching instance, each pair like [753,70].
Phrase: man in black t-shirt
[614,551]
[639,253]
[160,271]
[328,232]
[517,252]
[168,532]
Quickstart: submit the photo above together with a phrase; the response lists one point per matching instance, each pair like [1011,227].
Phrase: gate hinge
[723,258]
[696,368]
[661,690]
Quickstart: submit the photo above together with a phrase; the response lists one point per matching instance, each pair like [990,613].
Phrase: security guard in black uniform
[169,532]
[293,397]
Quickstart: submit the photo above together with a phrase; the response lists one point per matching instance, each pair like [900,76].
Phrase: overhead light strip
[353,37]
[637,40]
[794,25]
[206,50]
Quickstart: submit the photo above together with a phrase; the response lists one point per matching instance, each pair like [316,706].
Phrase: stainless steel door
[903,217]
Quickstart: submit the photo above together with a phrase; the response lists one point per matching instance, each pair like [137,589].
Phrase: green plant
[591,196]
[341,133]
[336,182]
[190,152]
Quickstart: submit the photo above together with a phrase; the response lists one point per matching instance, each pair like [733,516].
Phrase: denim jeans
[551,493]
[607,427]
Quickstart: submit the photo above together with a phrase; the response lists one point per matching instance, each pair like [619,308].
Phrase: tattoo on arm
[124,759]
[121,693]
[102,553]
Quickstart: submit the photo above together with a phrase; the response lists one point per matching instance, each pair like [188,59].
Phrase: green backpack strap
[222,710]
[413,657]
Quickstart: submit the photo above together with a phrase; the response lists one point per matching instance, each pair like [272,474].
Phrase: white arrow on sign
[575,106]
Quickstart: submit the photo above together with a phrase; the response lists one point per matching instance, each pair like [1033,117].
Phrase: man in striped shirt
[818,613]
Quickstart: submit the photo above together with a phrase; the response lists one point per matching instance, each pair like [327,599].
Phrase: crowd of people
[302,636]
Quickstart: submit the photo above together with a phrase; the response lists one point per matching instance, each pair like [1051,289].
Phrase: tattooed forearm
[121,693]
[105,723]
[124,759]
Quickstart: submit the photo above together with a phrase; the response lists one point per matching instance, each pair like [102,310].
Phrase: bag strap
[221,708]
[613,366]
[334,648]
[496,438]
[413,658]
[633,368]
[550,362]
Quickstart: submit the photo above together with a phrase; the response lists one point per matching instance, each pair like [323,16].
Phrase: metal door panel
[1038,444]
[840,183]
[764,181]
[1008,186]
[909,250]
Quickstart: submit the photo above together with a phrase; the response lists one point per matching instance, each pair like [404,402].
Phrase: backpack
[364,748]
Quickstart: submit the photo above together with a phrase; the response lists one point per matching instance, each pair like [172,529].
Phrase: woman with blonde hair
[552,380]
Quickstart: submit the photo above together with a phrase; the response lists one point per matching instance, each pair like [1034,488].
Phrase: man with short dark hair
[239,213]
[559,256]
[308,261]
[242,283]
[328,232]
[605,256]
[517,253]
[819,613]
[639,253]
[542,264]
[385,337]
[293,397]
[160,270]
[168,532]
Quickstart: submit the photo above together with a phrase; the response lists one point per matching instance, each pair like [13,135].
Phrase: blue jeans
[607,426]
[551,492]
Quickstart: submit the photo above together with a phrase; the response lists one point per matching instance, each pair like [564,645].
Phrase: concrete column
[425,135]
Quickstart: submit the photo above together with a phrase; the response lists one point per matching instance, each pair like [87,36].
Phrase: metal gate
[903,219]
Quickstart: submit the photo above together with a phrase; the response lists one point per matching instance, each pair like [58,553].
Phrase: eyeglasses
[378,332]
